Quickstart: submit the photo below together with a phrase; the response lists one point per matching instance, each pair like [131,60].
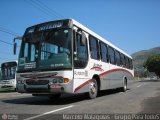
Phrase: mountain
[141,56]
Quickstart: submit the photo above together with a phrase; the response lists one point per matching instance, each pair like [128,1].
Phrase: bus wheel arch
[94,87]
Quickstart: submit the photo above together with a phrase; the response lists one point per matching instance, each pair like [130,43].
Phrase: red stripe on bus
[82,85]
[102,74]
[115,70]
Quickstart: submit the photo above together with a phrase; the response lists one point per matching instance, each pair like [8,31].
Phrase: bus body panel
[111,76]
[110,80]
[8,83]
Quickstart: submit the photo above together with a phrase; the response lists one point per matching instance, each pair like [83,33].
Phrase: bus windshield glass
[46,50]
[8,70]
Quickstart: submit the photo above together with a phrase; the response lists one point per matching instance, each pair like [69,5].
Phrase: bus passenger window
[104,52]
[94,48]
[117,58]
[111,55]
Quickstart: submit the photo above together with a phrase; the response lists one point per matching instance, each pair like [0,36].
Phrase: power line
[47,9]
[44,8]
[2,41]
[52,11]
[8,32]
[6,42]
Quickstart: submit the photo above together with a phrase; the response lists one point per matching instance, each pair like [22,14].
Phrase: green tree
[153,64]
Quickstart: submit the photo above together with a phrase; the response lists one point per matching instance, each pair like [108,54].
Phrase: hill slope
[140,57]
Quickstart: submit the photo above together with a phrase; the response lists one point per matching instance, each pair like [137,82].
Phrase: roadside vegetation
[6,90]
[139,59]
[153,64]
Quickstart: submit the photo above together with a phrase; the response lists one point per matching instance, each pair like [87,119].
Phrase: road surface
[141,100]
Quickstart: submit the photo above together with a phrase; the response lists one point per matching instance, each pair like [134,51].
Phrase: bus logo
[97,67]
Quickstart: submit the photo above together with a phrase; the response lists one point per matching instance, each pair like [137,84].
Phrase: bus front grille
[37,90]
[37,82]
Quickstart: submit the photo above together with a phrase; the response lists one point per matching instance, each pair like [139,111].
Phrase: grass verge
[6,90]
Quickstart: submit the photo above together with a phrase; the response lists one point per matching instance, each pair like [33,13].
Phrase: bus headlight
[19,81]
[60,80]
[54,80]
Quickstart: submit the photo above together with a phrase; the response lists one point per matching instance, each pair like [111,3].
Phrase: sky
[131,25]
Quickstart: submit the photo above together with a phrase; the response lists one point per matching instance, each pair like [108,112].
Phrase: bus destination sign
[51,26]
[44,26]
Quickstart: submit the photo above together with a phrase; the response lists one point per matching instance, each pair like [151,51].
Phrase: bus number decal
[81,73]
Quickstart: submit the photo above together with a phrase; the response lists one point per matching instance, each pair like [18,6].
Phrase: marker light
[66,80]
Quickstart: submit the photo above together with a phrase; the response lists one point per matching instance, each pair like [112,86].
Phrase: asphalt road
[141,100]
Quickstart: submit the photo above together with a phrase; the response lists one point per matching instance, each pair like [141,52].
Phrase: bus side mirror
[15,44]
[14,48]
[83,39]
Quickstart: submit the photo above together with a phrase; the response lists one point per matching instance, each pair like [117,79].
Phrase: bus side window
[81,57]
[131,64]
[104,52]
[125,61]
[111,55]
[122,60]
[128,61]
[94,48]
[117,57]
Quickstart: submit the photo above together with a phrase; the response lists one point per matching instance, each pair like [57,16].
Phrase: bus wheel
[124,88]
[55,96]
[93,89]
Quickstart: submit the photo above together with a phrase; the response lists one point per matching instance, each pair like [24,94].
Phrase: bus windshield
[8,70]
[46,50]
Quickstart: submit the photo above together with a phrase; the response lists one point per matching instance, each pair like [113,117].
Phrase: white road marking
[121,92]
[46,113]
[139,85]
[142,85]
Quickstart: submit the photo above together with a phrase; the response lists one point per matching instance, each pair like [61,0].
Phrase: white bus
[8,77]
[64,56]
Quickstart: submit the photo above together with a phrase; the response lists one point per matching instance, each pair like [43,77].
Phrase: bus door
[80,58]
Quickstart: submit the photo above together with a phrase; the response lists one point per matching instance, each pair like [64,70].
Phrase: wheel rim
[93,88]
[125,86]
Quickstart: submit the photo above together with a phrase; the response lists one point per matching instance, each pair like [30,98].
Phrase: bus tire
[54,96]
[124,88]
[93,89]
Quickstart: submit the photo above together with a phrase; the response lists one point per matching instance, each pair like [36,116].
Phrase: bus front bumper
[40,89]
[7,84]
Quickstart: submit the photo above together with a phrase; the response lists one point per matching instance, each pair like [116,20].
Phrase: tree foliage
[153,64]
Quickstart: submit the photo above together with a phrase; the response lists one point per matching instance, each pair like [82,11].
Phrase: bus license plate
[55,86]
